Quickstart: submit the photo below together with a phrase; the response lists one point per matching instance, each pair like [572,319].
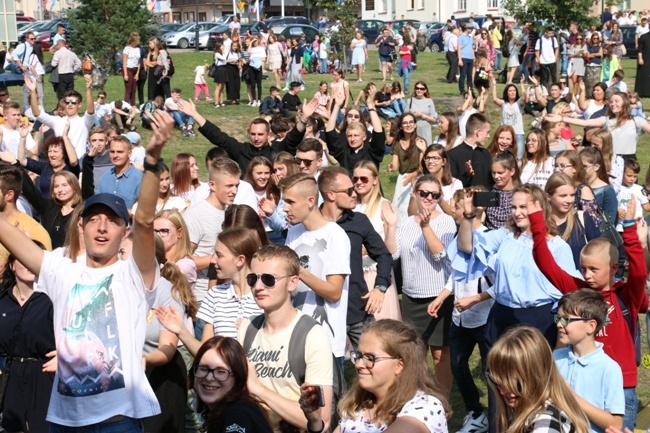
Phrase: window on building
[411,4]
[383,5]
[493,4]
[370,5]
[202,16]
[462,5]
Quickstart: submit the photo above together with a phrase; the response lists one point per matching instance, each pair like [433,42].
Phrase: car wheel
[435,48]
[183,43]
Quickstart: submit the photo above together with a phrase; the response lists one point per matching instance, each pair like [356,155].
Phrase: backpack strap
[256,324]
[297,342]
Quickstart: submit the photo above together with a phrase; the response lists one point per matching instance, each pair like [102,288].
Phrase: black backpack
[172,69]
[296,354]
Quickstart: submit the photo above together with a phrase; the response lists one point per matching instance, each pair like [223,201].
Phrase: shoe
[284,89]
[258,103]
[186,133]
[391,78]
[208,99]
[191,133]
[197,99]
[217,105]
[359,81]
[250,103]
[474,425]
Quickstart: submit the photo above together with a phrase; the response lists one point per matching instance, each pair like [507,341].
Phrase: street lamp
[196,28]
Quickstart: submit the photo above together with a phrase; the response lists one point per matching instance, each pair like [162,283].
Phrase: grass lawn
[431,68]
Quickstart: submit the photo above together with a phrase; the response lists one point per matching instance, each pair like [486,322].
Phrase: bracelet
[372,109]
[316,431]
[155,168]
[470,216]
[628,223]
[302,120]
[381,288]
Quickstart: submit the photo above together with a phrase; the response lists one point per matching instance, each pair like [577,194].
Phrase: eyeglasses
[532,140]
[353,116]
[563,83]
[435,195]
[363,179]
[4,95]
[368,359]
[348,191]
[268,280]
[101,97]
[408,123]
[219,374]
[307,162]
[421,88]
[588,165]
[432,158]
[71,101]
[31,39]
[566,320]
[162,232]
[563,166]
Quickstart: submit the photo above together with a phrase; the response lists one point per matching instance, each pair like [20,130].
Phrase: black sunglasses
[268,280]
[307,162]
[354,116]
[71,101]
[348,191]
[424,194]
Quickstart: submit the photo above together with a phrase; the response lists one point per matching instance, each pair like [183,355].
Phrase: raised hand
[163,128]
[23,128]
[533,206]
[308,108]
[188,107]
[388,213]
[31,85]
[170,319]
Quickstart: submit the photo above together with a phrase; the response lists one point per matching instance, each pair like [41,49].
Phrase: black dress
[28,390]
[152,84]
[233,83]
[642,83]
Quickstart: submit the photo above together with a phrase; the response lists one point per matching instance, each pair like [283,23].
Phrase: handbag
[623,50]
[158,71]
[246,75]
[608,229]
[12,345]
[212,72]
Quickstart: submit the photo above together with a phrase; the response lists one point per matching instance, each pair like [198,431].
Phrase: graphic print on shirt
[89,358]
[305,299]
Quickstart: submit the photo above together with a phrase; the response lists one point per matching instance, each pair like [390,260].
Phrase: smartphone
[318,391]
[486,199]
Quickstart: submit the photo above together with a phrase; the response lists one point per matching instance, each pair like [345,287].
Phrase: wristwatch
[155,168]
[381,288]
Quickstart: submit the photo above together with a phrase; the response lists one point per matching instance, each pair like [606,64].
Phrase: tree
[556,13]
[344,11]
[102,27]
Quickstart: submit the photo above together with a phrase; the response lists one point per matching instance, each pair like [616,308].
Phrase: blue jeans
[564,63]
[466,73]
[631,408]
[398,106]
[198,328]
[406,74]
[180,118]
[128,425]
[461,345]
[354,330]
[529,58]
[323,66]
[340,360]
[521,145]
[497,61]
[388,112]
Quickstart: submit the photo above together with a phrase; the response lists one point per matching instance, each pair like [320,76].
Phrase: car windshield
[187,26]
[223,19]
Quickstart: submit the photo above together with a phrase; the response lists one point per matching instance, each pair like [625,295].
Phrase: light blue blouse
[518,282]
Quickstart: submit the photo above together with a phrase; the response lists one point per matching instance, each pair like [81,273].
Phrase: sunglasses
[4,95]
[268,280]
[71,101]
[31,39]
[435,195]
[421,88]
[363,179]
[162,232]
[307,162]
[348,191]
[353,116]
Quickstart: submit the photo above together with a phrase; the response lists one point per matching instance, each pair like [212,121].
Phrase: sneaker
[284,89]
[217,105]
[191,133]
[359,81]
[208,99]
[474,425]
[250,103]
[186,133]
[258,103]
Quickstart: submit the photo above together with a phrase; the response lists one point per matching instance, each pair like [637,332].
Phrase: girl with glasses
[406,157]
[531,394]
[171,228]
[421,241]
[537,164]
[422,107]
[219,377]
[381,214]
[393,389]
[569,163]
[226,304]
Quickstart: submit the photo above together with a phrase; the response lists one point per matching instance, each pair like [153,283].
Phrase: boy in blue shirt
[595,377]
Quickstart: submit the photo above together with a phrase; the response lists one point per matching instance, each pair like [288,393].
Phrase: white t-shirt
[170,104]
[641,30]
[138,154]
[11,138]
[624,195]
[79,127]
[546,47]
[126,107]
[323,252]
[222,309]
[103,110]
[203,224]
[245,194]
[199,73]
[531,173]
[625,137]
[99,325]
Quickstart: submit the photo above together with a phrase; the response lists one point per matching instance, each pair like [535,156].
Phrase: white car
[205,35]
[181,37]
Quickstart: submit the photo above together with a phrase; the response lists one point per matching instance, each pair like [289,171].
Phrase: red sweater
[616,338]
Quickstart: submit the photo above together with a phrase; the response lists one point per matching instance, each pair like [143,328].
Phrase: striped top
[222,308]
[424,274]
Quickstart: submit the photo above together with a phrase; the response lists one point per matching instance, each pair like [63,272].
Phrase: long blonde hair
[521,362]
[554,182]
[401,340]
[181,288]
[537,195]
[183,246]
[375,194]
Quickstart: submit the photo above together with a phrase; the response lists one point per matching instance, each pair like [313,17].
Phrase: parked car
[181,37]
[204,35]
[423,34]
[396,26]
[217,35]
[23,18]
[435,42]
[28,27]
[281,22]
[46,29]
[628,40]
[480,19]
[167,27]
[295,30]
[371,28]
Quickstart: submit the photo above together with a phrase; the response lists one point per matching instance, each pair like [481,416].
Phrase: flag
[158,6]
[52,7]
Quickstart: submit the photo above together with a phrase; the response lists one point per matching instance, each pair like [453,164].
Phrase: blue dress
[358,54]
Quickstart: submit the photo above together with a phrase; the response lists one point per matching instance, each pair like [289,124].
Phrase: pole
[282,6]
[257,10]
[234,7]
[196,28]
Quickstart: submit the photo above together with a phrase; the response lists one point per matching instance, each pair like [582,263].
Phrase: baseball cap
[133,137]
[112,201]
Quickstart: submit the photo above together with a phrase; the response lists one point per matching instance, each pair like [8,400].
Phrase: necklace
[20,294]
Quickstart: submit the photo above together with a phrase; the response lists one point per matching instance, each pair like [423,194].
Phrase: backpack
[172,69]
[296,354]
[505,49]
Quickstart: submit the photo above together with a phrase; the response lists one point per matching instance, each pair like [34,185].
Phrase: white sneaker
[284,89]
[472,425]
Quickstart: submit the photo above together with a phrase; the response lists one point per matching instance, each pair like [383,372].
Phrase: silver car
[205,35]
[181,37]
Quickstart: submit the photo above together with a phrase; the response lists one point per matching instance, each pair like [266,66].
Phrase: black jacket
[481,163]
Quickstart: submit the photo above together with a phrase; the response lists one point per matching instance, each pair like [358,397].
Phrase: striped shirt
[222,308]
[424,274]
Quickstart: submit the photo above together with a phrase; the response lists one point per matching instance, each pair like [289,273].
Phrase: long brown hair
[73,244]
[401,340]
[271,188]
[244,216]
[493,148]
[453,131]
[399,135]
[183,246]
[232,353]
[375,194]
[74,184]
[446,177]
[539,196]
[181,288]
[554,182]
[574,158]
[607,149]
[626,111]
[180,171]
[595,156]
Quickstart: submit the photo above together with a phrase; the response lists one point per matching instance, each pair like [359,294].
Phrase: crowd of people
[137,296]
